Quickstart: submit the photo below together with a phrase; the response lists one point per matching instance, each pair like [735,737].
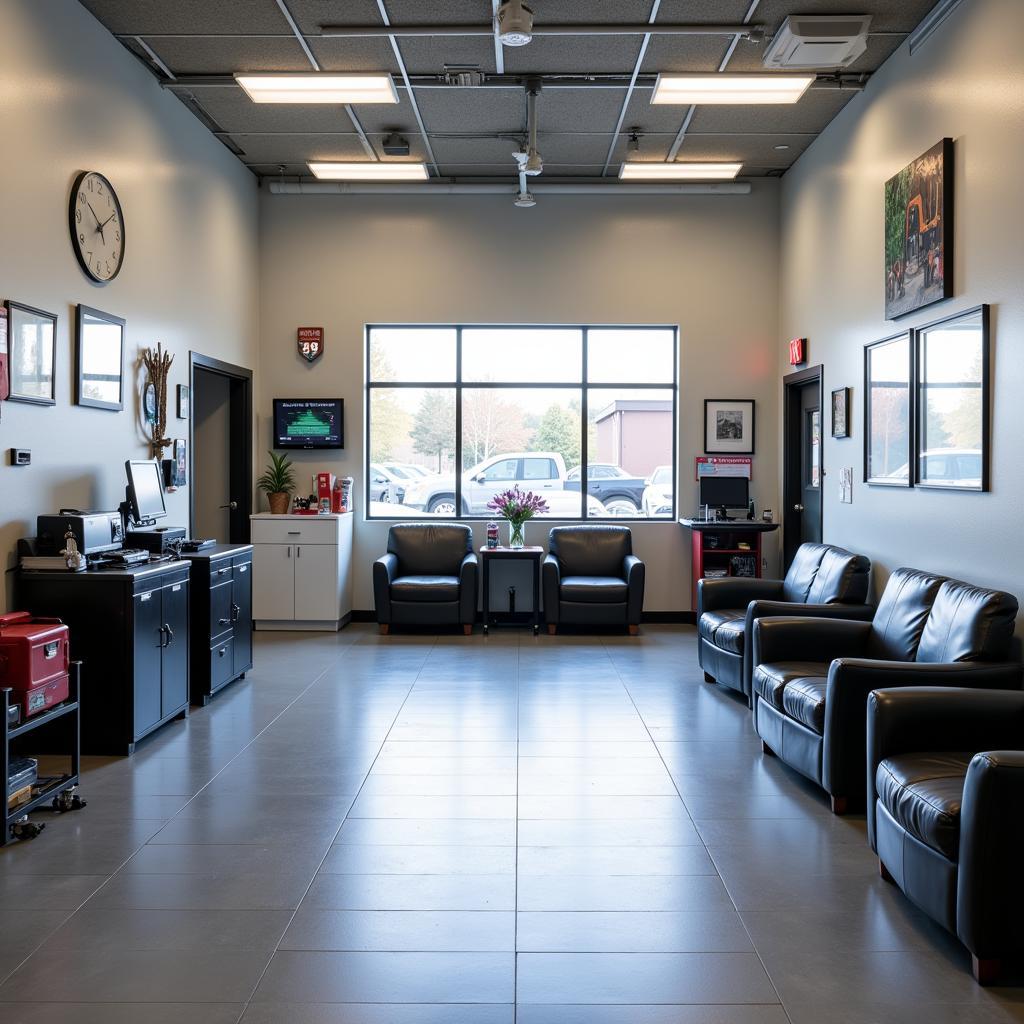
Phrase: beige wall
[706,263]
[966,82]
[71,98]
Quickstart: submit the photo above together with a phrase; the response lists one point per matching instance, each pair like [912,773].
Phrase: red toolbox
[34,661]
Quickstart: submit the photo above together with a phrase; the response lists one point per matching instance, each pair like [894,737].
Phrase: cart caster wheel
[486,630]
[26,829]
[67,801]
[536,630]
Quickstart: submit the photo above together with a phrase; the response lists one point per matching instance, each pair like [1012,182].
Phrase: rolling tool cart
[57,790]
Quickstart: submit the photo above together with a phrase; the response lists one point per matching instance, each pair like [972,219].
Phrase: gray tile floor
[470,831]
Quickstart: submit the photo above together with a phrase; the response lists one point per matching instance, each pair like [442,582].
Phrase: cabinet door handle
[235,610]
[170,636]
[163,638]
[294,533]
[289,552]
[298,552]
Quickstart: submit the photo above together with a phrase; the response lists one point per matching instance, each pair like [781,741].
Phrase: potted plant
[278,481]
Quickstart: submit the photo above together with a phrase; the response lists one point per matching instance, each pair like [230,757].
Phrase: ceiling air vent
[818,41]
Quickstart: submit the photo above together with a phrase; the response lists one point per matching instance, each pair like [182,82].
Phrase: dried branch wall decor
[158,365]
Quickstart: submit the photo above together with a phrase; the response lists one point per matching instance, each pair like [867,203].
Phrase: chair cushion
[841,577]
[590,550]
[725,628]
[802,570]
[923,792]
[430,549]
[804,700]
[901,615]
[771,680]
[425,588]
[968,623]
[593,589]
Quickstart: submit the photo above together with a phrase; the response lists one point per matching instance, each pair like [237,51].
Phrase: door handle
[233,505]
[170,635]
[235,610]
[298,552]
[163,639]
[289,555]
[798,508]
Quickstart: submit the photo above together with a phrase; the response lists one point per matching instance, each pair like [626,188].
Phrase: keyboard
[129,556]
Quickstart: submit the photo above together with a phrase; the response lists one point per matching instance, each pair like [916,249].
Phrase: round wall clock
[97,226]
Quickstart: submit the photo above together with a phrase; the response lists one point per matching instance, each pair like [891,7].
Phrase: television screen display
[308,423]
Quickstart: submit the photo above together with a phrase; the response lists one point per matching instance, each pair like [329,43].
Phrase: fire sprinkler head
[524,200]
[515,23]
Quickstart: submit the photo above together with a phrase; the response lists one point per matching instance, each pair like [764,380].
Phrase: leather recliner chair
[812,677]
[592,578]
[427,578]
[822,581]
[945,810]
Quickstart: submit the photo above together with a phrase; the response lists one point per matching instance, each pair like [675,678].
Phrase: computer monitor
[725,491]
[145,490]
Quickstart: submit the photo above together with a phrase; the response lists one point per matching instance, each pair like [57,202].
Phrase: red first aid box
[34,661]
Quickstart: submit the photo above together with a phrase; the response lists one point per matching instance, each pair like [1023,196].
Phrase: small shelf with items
[724,549]
[55,790]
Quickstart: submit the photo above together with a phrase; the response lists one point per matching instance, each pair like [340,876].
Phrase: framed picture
[99,359]
[888,417]
[841,412]
[149,402]
[183,396]
[953,402]
[180,463]
[31,355]
[729,426]
[919,232]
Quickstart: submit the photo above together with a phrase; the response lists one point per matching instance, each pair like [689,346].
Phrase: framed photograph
[149,402]
[888,415]
[953,402]
[841,412]
[31,355]
[99,359]
[919,232]
[183,396]
[180,463]
[729,426]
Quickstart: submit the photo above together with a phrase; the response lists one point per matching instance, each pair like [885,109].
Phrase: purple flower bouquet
[517,506]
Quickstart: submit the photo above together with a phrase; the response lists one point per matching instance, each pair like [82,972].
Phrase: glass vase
[515,535]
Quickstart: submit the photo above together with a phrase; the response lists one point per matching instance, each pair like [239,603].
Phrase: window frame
[582,385]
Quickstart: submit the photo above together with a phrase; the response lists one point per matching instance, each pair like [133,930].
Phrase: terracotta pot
[279,502]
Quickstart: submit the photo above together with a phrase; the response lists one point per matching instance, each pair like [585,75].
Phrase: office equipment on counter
[93,532]
[34,661]
[126,556]
[144,505]
[220,617]
[729,548]
[193,545]
[47,563]
[721,493]
[158,541]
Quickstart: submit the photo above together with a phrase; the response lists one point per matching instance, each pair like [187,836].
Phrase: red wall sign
[797,351]
[4,380]
[311,343]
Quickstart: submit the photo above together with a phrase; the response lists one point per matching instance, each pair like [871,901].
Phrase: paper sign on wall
[723,465]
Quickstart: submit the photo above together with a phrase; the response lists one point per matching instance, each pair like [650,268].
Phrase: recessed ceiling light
[302,87]
[724,88]
[367,170]
[677,171]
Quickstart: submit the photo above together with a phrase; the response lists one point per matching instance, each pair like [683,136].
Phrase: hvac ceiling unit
[818,41]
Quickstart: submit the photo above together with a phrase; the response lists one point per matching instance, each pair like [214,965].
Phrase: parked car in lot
[386,485]
[620,493]
[540,472]
[957,466]
[657,496]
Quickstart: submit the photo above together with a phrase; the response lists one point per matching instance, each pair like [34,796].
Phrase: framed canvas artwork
[729,426]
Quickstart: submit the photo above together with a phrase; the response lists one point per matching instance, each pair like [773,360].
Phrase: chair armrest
[989,881]
[634,572]
[905,720]
[551,574]
[385,569]
[468,573]
[735,592]
[850,682]
[795,639]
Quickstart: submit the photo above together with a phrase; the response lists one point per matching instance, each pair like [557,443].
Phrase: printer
[94,532]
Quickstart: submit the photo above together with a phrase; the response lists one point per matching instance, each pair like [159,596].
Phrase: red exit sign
[797,351]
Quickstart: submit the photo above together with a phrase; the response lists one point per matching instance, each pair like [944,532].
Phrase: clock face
[97,226]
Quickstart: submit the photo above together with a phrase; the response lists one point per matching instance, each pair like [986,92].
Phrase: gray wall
[706,263]
[71,98]
[967,82]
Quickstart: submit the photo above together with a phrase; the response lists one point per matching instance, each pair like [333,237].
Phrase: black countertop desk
[130,628]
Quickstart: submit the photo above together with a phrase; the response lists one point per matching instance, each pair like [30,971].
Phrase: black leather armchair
[592,578]
[822,581]
[946,810]
[812,677]
[427,578]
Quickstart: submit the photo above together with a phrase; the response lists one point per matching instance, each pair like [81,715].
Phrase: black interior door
[809,505]
[802,458]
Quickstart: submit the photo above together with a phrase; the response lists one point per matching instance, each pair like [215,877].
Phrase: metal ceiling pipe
[359,188]
[363,31]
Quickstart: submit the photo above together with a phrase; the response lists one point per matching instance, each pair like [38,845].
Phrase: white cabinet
[302,571]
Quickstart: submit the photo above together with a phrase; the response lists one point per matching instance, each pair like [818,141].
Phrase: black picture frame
[184,396]
[714,442]
[963,458]
[19,314]
[918,232]
[841,407]
[85,316]
[889,480]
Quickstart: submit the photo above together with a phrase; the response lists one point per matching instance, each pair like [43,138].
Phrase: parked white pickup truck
[540,472]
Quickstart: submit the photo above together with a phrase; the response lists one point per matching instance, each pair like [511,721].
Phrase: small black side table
[534,555]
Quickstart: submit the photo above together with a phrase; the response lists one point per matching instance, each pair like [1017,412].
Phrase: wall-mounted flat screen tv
[309,423]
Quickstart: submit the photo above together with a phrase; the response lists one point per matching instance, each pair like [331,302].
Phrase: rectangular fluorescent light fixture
[367,170]
[724,88]
[319,87]
[643,170]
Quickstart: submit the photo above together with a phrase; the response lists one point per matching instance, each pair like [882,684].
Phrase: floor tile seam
[341,825]
[718,873]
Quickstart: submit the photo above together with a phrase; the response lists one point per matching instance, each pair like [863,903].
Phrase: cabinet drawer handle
[243,568]
[222,652]
[220,572]
[226,622]
[294,533]
[176,588]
